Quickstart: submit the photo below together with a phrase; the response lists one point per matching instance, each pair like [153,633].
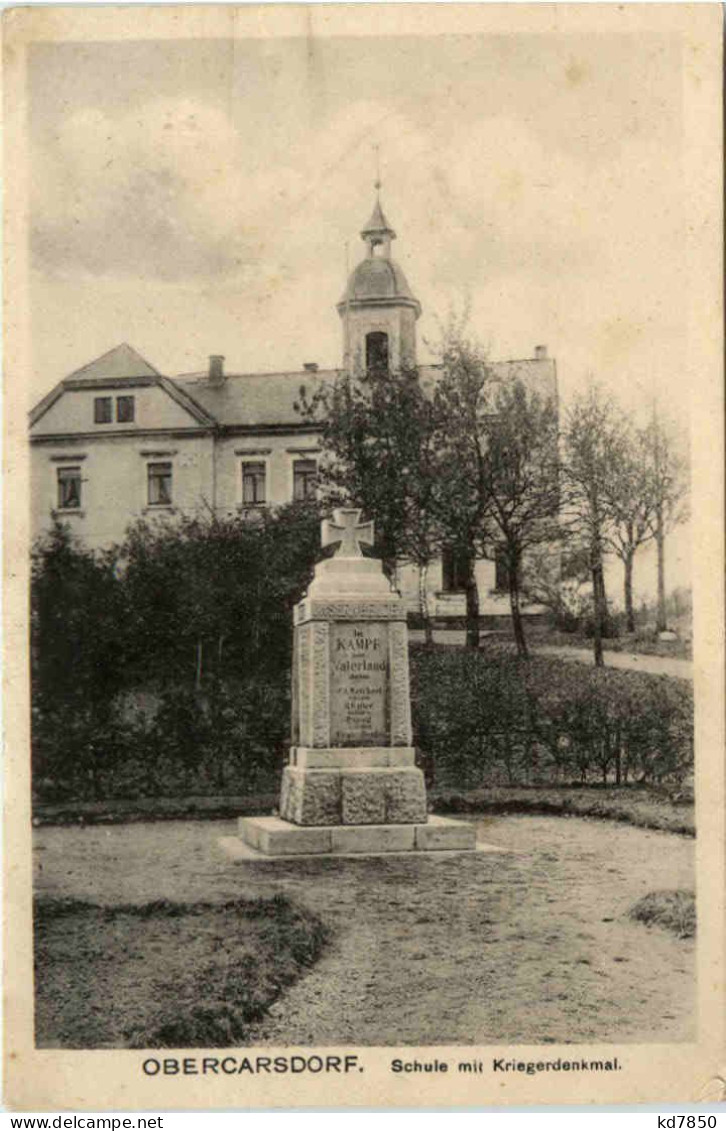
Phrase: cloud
[577,246]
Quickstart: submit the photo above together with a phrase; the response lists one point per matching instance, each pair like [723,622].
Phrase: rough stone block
[310,797]
[287,803]
[405,796]
[290,794]
[382,796]
[372,838]
[441,833]
[363,797]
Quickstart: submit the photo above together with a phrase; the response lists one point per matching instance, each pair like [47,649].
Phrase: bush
[200,613]
[227,739]
[488,718]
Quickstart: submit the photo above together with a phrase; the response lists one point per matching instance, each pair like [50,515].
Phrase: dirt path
[630,661]
[529,946]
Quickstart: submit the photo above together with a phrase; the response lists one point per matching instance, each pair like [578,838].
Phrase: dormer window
[125,410]
[102,410]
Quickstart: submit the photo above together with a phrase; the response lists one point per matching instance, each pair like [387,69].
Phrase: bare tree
[463,405]
[593,446]
[669,474]
[524,478]
[632,503]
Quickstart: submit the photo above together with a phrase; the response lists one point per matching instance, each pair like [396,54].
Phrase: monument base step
[271,837]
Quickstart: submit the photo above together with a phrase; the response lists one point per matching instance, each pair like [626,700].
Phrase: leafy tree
[77,659]
[214,595]
[76,606]
[378,435]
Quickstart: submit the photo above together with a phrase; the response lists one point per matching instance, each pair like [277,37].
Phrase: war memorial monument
[351,784]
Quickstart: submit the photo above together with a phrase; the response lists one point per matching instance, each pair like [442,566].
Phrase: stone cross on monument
[347,529]
[351,784]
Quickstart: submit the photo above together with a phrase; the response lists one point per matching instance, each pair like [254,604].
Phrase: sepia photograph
[368,641]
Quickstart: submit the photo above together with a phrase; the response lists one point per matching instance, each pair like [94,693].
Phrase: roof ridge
[123,349]
[203,376]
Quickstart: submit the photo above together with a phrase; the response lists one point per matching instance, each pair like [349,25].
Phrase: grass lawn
[165,974]
[646,807]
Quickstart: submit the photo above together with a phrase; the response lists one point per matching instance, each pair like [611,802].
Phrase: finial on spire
[378,231]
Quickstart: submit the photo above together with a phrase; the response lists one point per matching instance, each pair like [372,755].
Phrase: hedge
[159,670]
[478,720]
[483,718]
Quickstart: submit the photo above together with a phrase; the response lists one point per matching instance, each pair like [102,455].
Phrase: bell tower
[378,310]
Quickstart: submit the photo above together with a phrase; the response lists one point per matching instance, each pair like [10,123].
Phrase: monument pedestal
[271,836]
[351,784]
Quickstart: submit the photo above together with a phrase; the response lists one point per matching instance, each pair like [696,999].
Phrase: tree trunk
[423,602]
[198,669]
[472,606]
[518,626]
[597,616]
[629,610]
[602,600]
[661,620]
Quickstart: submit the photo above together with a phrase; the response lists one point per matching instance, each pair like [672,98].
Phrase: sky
[193,197]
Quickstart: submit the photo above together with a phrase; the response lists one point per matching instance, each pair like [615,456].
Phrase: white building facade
[117,441]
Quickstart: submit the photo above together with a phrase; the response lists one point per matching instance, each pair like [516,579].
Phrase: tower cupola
[378,310]
[378,233]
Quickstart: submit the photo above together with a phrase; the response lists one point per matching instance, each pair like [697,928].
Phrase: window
[377,350]
[125,410]
[102,410]
[456,566]
[254,484]
[69,488]
[303,479]
[501,569]
[159,480]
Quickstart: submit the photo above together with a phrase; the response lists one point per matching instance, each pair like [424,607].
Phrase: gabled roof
[121,361]
[122,364]
[256,399]
[260,400]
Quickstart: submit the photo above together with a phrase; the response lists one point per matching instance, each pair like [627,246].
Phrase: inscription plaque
[359,684]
